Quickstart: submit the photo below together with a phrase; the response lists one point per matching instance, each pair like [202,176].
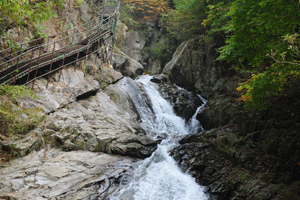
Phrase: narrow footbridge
[26,62]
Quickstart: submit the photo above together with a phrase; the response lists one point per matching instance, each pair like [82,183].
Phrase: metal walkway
[26,62]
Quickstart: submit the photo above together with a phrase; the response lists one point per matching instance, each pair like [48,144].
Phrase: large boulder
[194,67]
[126,65]
[117,96]
[107,74]
[212,158]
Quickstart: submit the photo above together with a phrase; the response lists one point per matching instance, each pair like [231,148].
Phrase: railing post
[97,49]
[51,64]
[78,51]
[63,58]
[87,51]
[37,67]
[47,44]
[17,67]
[73,37]
[29,70]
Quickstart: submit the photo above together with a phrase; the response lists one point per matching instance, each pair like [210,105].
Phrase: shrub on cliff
[24,11]
[15,118]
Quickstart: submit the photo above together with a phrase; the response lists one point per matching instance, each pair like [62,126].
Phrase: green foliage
[268,83]
[24,11]
[275,77]
[254,33]
[164,50]
[217,18]
[256,27]
[14,118]
[185,21]
[13,92]
[126,17]
[39,32]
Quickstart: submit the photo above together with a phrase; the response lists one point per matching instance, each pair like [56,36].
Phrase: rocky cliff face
[138,44]
[242,154]
[194,67]
[66,18]
[79,116]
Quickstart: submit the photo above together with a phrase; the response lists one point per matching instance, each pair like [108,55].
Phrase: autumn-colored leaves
[148,10]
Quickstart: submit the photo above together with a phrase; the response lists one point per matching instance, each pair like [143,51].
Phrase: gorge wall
[240,155]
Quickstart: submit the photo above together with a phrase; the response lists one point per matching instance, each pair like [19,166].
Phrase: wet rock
[185,103]
[219,112]
[213,158]
[223,190]
[117,95]
[107,74]
[159,79]
[208,171]
[267,193]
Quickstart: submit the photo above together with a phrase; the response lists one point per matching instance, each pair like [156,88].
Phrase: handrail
[33,58]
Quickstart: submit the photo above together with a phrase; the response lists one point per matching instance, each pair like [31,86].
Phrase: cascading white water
[194,125]
[158,177]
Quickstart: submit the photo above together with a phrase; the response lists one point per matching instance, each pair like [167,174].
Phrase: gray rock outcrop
[82,117]
[97,124]
[52,174]
[126,65]
[135,41]
[71,85]
[194,67]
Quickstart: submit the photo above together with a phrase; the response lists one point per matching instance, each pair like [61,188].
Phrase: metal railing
[54,52]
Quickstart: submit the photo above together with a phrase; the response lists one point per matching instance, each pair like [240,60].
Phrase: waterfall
[158,177]
[194,125]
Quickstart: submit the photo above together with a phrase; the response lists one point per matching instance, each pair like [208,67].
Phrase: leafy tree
[256,27]
[185,20]
[254,30]
[275,77]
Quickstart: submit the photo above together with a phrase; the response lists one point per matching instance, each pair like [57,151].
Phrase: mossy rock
[292,192]
[104,85]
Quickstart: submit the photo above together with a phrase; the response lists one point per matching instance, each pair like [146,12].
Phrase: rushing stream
[158,177]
